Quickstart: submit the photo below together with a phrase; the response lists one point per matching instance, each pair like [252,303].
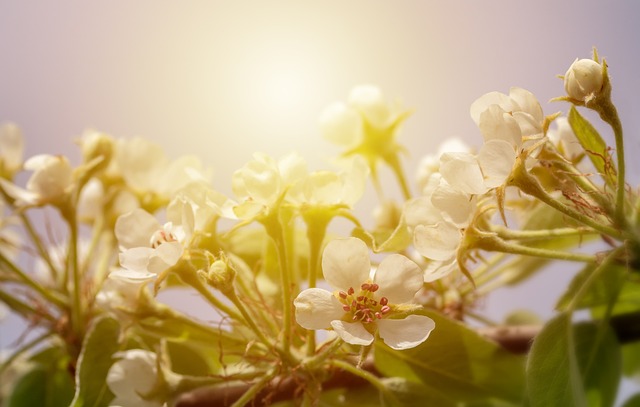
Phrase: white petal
[398,278]
[483,102]
[437,242]
[316,308]
[341,124]
[420,211]
[405,333]
[368,100]
[456,204]
[345,263]
[528,125]
[131,276]
[496,158]
[527,102]
[463,172]
[169,252]
[136,258]
[496,124]
[11,146]
[437,269]
[352,332]
[135,229]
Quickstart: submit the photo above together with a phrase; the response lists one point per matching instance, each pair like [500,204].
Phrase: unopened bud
[96,146]
[221,275]
[584,79]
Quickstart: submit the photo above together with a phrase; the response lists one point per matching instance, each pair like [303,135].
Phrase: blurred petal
[496,158]
[437,242]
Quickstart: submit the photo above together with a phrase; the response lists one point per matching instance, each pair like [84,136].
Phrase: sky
[222,80]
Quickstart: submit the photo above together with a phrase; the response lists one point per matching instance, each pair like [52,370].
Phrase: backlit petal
[316,308]
[352,332]
[405,333]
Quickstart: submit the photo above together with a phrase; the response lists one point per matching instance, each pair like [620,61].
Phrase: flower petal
[437,242]
[134,229]
[405,333]
[341,124]
[496,158]
[352,332]
[495,123]
[316,308]
[461,170]
[345,263]
[399,279]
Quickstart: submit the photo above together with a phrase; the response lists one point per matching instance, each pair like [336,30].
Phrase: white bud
[584,79]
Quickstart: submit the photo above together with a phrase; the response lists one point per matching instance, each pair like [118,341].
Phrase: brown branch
[516,339]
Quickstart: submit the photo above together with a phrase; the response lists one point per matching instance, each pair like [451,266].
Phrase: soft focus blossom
[364,301]
[263,182]
[50,183]
[133,378]
[11,150]
[584,79]
[564,139]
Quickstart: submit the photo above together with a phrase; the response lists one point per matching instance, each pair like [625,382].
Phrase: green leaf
[457,363]
[47,383]
[94,363]
[633,401]
[573,365]
[631,360]
[611,287]
[594,145]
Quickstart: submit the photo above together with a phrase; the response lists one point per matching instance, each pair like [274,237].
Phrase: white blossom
[133,378]
[584,79]
[363,299]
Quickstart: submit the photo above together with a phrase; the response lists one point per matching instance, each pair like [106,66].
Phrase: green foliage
[47,383]
[456,363]
[94,362]
[593,144]
[573,365]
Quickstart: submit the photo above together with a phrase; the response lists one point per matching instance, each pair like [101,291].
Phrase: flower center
[161,236]
[363,305]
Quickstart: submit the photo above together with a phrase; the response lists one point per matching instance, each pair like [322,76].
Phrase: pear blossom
[263,182]
[150,174]
[328,188]
[50,183]
[366,125]
[364,301]
[508,123]
[147,247]
[133,378]
[11,150]
[584,79]
[429,165]
[563,137]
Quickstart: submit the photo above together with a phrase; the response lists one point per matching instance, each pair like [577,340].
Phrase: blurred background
[224,79]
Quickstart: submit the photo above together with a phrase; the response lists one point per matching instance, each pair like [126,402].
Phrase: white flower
[11,149]
[132,378]
[328,188]
[262,182]
[51,181]
[564,139]
[584,79]
[147,247]
[361,304]
[430,164]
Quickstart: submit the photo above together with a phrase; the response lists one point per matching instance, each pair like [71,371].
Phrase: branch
[516,339]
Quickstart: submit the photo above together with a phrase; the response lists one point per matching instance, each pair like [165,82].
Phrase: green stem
[26,279]
[317,222]
[76,309]
[24,309]
[275,231]
[540,234]
[375,381]
[394,163]
[15,354]
[609,114]
[192,279]
[329,350]
[495,244]
[530,185]
[254,389]
[42,251]
[231,295]
[586,185]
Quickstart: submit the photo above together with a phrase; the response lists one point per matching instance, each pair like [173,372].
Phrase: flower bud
[584,79]
[221,275]
[96,145]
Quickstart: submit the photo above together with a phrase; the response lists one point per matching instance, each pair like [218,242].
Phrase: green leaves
[94,362]
[573,365]
[46,383]
[593,144]
[456,364]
